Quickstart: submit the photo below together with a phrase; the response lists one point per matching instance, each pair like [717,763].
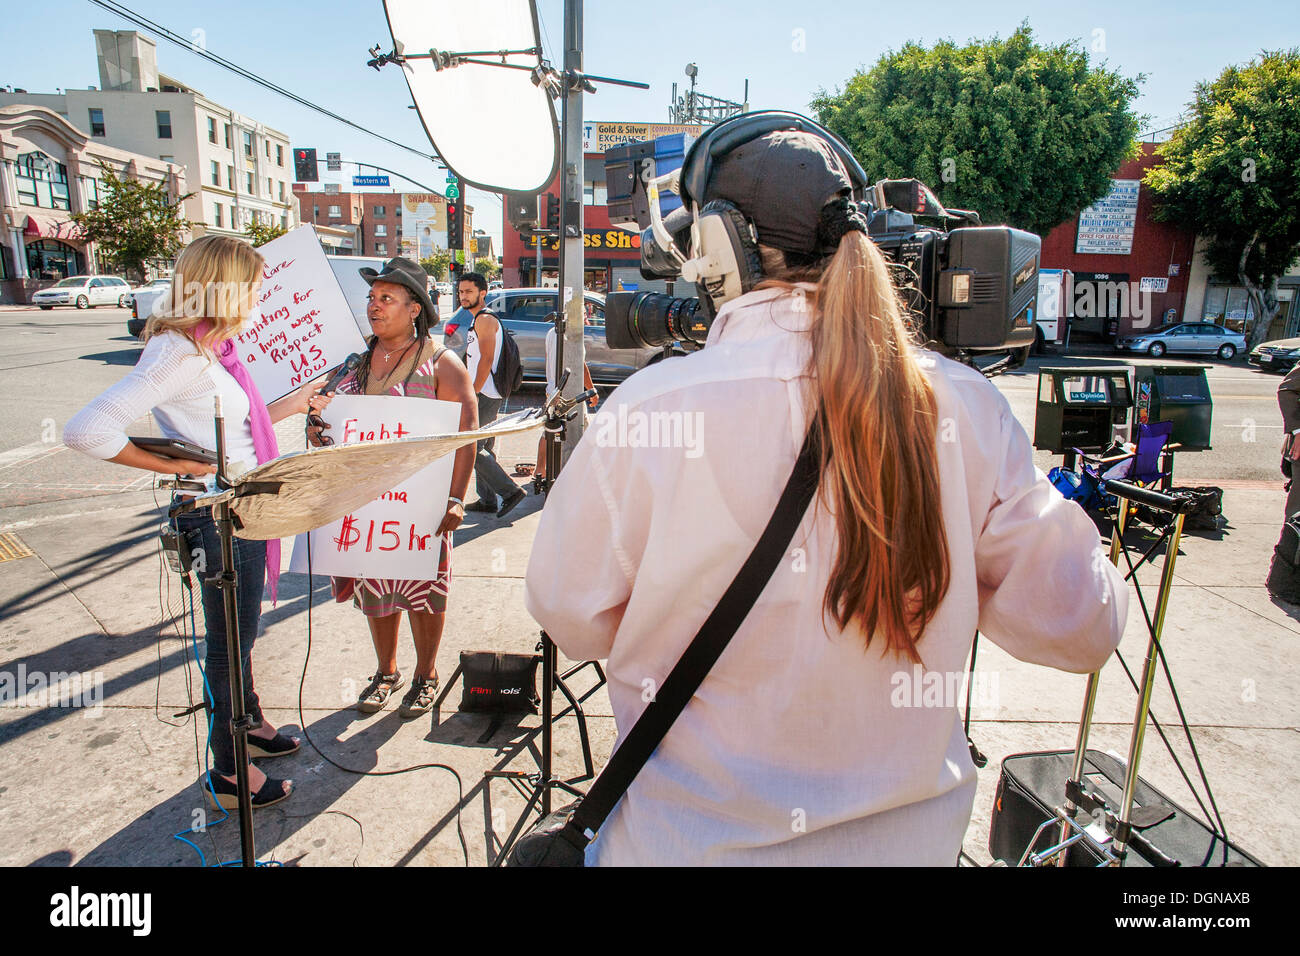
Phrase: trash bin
[1178,394]
[1080,407]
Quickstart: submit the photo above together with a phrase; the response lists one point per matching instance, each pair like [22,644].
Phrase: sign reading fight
[394,536]
[302,326]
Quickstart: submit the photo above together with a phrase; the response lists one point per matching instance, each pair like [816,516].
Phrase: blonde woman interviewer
[188,359]
[930,521]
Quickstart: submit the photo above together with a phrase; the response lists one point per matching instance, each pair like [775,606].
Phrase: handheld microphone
[342,372]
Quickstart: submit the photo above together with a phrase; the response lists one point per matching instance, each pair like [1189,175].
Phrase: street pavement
[110,784]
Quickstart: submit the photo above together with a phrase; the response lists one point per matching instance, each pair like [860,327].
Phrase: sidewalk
[112,788]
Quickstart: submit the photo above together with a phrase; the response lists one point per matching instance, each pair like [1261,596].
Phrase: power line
[132,17]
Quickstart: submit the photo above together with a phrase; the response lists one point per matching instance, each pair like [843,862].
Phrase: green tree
[436,264]
[259,234]
[488,267]
[1232,173]
[135,223]
[1024,134]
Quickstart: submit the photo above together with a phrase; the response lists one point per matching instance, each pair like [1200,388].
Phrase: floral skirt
[380,597]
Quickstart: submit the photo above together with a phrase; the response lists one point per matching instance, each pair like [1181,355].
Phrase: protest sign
[302,326]
[394,535]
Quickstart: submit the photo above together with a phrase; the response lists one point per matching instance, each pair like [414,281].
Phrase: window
[234,216]
[336,212]
[164,118]
[248,145]
[168,159]
[216,215]
[41,181]
[284,222]
[251,187]
[315,213]
[381,229]
[228,139]
[230,178]
[267,144]
[216,173]
[381,248]
[282,190]
[212,130]
[381,211]
[90,189]
[96,122]
[279,155]
[270,190]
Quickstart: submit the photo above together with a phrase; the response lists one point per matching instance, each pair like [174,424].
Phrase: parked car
[445,288]
[143,302]
[1279,355]
[1196,337]
[524,313]
[85,292]
[153,285]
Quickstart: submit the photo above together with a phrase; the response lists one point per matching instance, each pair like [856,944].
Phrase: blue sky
[787,51]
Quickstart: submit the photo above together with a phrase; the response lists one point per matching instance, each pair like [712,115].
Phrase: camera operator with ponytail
[929,521]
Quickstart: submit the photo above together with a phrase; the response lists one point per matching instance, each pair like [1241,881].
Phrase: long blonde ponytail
[877,421]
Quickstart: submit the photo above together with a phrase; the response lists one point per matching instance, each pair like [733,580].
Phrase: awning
[48,227]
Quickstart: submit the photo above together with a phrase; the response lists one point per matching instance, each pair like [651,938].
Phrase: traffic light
[552,212]
[455,224]
[304,166]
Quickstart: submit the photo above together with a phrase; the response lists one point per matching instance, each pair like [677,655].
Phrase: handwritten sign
[394,536]
[302,326]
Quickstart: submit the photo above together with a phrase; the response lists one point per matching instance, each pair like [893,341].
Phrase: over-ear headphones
[722,256]
[727,262]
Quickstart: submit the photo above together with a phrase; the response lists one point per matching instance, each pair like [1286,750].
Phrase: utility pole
[572,275]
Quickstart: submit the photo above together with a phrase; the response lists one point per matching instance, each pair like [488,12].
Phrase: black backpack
[509,373]
[1284,572]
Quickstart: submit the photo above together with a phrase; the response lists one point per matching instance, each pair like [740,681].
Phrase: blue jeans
[250,566]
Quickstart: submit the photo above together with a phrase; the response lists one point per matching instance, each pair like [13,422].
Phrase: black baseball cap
[780,181]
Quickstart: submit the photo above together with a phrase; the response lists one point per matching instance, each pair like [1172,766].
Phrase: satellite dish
[466,99]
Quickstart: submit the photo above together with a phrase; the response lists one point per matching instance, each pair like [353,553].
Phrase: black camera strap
[702,653]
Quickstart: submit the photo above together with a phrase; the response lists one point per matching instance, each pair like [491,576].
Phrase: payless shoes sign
[591,239]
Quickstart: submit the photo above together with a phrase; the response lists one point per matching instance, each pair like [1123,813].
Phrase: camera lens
[651,320]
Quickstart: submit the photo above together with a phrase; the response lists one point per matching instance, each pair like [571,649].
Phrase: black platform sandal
[225,793]
[277,746]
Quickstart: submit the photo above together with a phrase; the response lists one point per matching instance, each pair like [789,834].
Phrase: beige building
[239,170]
[50,170]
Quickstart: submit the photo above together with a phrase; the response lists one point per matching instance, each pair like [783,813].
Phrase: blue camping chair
[1145,466]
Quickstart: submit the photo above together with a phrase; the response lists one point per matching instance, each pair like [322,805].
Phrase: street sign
[369,180]
[333,162]
[452,191]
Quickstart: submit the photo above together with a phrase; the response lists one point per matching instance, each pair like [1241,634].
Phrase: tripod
[559,410]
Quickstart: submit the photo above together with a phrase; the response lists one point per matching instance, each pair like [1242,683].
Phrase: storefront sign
[1154,284]
[598,137]
[591,239]
[1106,227]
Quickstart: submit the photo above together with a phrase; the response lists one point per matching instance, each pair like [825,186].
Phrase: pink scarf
[264,443]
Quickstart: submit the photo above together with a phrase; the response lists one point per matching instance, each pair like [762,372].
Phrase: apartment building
[239,169]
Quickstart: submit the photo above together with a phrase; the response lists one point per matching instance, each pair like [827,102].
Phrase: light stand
[228,582]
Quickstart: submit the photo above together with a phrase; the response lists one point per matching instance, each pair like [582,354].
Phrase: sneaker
[419,699]
[377,692]
[481,505]
[509,501]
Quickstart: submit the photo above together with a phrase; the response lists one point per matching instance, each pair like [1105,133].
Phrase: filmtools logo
[55,689]
[650,430]
[76,909]
[923,688]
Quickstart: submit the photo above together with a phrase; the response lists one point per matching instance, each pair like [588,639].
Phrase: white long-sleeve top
[794,749]
[177,383]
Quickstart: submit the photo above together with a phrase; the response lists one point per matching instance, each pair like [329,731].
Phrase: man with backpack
[493,361]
